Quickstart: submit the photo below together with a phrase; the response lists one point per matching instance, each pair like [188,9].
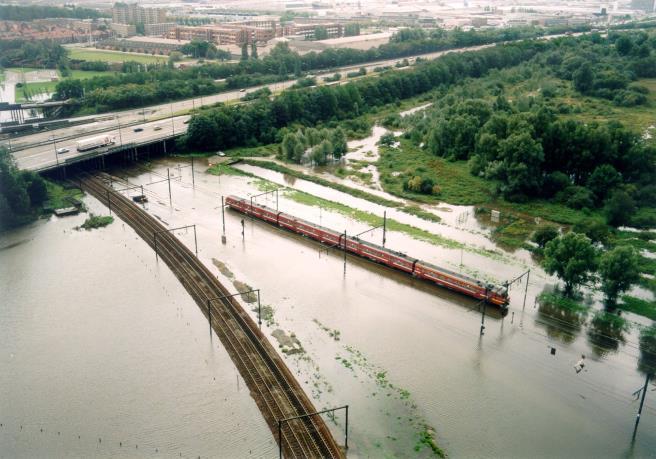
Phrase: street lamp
[172,125]
[54,144]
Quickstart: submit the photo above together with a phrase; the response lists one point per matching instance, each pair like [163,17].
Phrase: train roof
[495,288]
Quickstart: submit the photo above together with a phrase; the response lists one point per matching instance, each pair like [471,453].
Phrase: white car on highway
[62,150]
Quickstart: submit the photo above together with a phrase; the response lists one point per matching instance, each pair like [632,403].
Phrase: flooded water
[104,354]
[405,355]
[8,90]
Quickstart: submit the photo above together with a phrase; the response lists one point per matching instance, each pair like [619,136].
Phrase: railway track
[273,387]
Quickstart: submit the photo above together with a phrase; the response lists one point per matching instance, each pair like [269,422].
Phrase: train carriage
[495,294]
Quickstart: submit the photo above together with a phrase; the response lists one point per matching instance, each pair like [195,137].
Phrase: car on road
[138,129]
[242,90]
[157,128]
[221,153]
[62,150]
[186,121]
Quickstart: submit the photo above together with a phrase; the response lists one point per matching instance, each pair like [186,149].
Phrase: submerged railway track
[272,386]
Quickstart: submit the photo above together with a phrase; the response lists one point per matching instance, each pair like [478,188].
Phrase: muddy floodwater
[104,354]
[407,357]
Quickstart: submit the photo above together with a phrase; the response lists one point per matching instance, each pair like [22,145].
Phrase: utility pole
[483,315]
[384,227]
[528,276]
[223,236]
[168,177]
[345,252]
[193,179]
[54,145]
[642,402]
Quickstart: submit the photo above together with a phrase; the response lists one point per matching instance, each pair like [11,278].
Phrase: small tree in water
[572,258]
[618,269]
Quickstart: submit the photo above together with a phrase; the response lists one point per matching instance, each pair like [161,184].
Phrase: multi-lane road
[37,151]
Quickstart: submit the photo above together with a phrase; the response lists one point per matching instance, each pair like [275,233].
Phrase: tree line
[31,12]
[259,123]
[115,92]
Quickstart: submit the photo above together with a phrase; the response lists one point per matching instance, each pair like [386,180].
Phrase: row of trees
[259,122]
[31,12]
[283,62]
[21,193]
[317,145]
[201,49]
[575,260]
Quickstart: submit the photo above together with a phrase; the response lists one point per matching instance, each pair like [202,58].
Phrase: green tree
[619,208]
[140,28]
[544,234]
[293,148]
[69,89]
[20,193]
[521,165]
[322,152]
[338,139]
[618,269]
[387,139]
[175,56]
[624,45]
[203,133]
[583,78]
[320,33]
[244,51]
[352,29]
[603,180]
[572,258]
[253,50]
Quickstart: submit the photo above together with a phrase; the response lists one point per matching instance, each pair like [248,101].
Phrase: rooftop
[356,38]
[157,40]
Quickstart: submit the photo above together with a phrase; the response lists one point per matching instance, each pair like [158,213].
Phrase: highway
[45,156]
[37,151]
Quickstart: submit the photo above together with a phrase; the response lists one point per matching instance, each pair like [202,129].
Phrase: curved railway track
[274,388]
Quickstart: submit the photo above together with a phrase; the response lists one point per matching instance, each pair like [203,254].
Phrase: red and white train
[494,294]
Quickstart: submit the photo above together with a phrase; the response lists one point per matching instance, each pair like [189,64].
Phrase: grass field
[84,74]
[86,54]
[45,87]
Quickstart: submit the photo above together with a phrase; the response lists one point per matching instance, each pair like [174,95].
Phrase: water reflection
[606,332]
[289,179]
[561,322]
[647,360]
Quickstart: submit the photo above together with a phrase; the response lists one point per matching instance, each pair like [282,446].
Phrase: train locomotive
[493,294]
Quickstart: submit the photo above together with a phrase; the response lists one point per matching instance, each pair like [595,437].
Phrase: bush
[576,197]
[554,183]
[619,208]
[596,230]
[544,234]
[423,185]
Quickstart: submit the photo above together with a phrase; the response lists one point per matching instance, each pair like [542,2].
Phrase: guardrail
[99,152]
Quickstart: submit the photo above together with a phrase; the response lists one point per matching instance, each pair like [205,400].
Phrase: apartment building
[131,13]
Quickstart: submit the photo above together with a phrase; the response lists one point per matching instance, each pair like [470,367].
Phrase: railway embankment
[273,387]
